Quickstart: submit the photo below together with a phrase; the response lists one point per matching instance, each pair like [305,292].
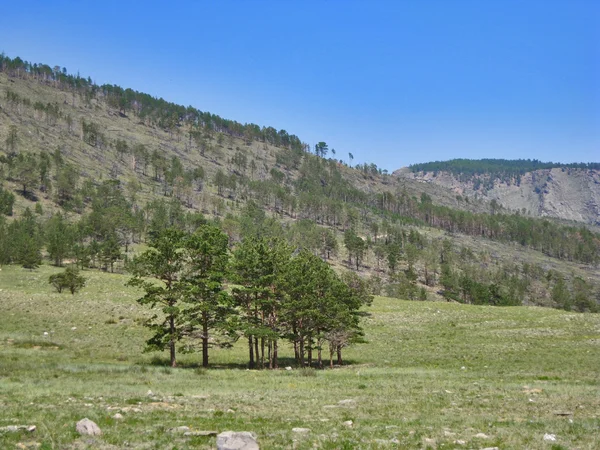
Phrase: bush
[69,279]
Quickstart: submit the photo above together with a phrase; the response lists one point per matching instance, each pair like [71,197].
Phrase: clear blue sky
[393,82]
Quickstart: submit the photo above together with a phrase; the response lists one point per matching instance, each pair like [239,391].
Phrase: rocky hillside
[560,192]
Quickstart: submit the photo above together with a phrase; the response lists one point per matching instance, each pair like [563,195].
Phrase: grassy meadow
[432,375]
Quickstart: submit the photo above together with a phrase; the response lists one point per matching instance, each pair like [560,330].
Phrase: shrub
[69,279]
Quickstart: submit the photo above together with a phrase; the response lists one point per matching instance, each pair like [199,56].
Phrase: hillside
[568,192]
[105,166]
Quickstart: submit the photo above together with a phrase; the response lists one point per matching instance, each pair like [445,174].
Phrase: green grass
[431,375]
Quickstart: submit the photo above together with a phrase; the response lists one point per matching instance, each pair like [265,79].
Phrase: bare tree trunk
[256,350]
[172,341]
[331,351]
[204,340]
[270,353]
[339,355]
[301,352]
[319,357]
[251,353]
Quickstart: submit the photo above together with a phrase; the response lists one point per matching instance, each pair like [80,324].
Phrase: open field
[436,375]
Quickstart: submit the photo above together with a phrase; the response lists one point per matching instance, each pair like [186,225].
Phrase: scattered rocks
[460,442]
[301,430]
[429,441]
[348,423]
[481,436]
[87,427]
[237,440]
[118,416]
[549,437]
[15,428]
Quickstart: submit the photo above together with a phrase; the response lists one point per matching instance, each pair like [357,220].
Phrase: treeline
[503,169]
[280,294]
[157,111]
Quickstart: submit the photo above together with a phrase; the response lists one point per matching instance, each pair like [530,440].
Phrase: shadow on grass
[284,362]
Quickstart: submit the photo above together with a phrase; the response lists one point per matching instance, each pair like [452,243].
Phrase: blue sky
[393,82]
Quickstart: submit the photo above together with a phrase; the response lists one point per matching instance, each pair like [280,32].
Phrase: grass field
[435,375]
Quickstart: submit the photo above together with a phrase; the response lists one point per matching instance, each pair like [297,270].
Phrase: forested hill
[497,168]
[88,172]
[532,187]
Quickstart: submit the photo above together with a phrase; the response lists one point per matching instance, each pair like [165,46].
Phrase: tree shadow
[29,195]
[284,363]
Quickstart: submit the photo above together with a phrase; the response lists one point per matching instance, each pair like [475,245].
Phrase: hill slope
[568,193]
[121,164]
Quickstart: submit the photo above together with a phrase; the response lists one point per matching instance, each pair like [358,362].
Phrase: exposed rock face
[87,427]
[570,194]
[236,440]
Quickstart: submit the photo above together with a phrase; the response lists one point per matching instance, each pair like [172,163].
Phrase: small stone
[460,442]
[181,429]
[288,368]
[236,440]
[348,423]
[329,406]
[230,411]
[550,437]
[118,416]
[45,333]
[449,433]
[463,368]
[481,436]
[348,401]
[490,448]
[13,428]
[73,328]
[429,441]
[86,426]
[150,393]
[301,430]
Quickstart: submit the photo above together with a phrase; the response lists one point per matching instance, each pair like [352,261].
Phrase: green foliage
[69,279]
[497,168]
[7,200]
[188,271]
[163,262]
